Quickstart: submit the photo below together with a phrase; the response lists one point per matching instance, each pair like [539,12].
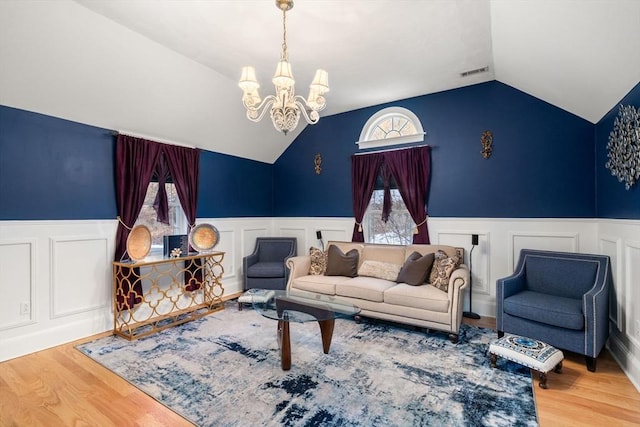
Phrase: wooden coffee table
[286,307]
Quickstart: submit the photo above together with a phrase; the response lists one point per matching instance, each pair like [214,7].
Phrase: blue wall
[54,169]
[613,200]
[542,163]
[234,187]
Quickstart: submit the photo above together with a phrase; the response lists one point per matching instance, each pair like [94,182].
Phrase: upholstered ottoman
[528,352]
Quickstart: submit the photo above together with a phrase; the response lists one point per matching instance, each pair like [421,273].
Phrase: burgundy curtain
[364,171]
[184,164]
[135,161]
[411,169]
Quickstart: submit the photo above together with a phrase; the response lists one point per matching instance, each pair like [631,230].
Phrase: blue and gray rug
[224,370]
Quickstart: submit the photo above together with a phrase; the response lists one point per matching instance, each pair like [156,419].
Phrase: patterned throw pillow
[318,261]
[443,266]
[380,270]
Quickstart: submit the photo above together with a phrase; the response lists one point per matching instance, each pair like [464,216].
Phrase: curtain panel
[137,160]
[364,171]
[411,170]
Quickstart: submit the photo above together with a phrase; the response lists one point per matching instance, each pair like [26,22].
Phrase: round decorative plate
[139,242]
[204,237]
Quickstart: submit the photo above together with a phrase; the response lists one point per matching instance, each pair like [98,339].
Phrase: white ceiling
[582,56]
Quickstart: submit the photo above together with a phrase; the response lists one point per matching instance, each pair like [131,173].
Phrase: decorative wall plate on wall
[623,148]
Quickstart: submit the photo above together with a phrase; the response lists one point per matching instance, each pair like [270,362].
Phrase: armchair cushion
[266,269]
[547,309]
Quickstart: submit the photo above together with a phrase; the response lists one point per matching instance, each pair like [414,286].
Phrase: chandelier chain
[285,54]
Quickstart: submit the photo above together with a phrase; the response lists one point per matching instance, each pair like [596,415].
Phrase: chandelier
[285,107]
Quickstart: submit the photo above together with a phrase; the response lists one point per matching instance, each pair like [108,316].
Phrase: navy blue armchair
[265,267]
[559,298]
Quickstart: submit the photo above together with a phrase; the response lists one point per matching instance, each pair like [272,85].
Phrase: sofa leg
[591,363]
[358,319]
[500,334]
[453,338]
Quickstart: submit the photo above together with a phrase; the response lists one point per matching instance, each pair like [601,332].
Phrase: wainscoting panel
[562,242]
[17,275]
[227,245]
[632,291]
[612,247]
[620,239]
[75,262]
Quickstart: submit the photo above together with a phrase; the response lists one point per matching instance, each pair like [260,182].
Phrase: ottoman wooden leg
[543,380]
[494,359]
[558,368]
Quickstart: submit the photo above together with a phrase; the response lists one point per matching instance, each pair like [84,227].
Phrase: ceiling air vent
[476,71]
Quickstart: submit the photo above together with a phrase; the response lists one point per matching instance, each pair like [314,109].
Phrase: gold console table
[157,293]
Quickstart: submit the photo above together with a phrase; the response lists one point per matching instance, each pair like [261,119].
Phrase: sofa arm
[298,266]
[457,283]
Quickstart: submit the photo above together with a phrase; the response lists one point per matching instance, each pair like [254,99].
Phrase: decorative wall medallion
[317,161]
[487,143]
[623,148]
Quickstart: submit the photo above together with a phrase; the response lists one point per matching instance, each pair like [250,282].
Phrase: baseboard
[627,361]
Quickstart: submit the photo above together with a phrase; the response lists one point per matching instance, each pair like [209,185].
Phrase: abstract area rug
[224,370]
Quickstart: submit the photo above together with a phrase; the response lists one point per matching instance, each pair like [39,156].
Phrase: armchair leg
[591,363]
[500,334]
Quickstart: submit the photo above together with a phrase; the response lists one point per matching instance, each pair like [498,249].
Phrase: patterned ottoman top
[528,352]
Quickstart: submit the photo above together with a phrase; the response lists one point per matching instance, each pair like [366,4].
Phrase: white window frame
[366,141]
[177,219]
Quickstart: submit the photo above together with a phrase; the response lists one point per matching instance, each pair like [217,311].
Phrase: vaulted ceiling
[168,69]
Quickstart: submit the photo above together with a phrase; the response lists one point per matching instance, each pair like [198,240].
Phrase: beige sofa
[424,305]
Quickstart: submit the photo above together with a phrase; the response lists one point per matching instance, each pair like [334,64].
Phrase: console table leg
[326,330]
[285,344]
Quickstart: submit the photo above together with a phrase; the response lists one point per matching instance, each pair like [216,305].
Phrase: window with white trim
[177,219]
[391,126]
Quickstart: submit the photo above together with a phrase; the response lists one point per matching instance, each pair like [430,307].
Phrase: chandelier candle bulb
[285,107]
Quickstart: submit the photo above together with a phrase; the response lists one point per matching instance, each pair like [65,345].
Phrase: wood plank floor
[62,387]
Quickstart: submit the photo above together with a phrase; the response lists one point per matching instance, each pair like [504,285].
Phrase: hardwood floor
[62,387]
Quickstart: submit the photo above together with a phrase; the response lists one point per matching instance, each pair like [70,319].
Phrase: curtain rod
[394,149]
[152,138]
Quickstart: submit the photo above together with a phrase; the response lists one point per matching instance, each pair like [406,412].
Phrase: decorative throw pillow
[318,261]
[415,269]
[380,270]
[443,266]
[341,264]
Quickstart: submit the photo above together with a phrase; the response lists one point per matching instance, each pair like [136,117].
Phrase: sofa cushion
[319,284]
[415,269]
[424,297]
[368,288]
[441,270]
[266,269]
[558,311]
[379,269]
[341,264]
[318,261]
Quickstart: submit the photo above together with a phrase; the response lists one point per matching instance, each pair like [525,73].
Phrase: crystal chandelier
[285,106]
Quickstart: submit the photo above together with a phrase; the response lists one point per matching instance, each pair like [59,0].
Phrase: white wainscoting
[620,239]
[55,276]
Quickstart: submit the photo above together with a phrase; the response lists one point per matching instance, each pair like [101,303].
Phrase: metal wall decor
[623,148]
[487,143]
[317,161]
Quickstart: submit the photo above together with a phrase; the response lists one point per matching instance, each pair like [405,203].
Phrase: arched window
[391,126]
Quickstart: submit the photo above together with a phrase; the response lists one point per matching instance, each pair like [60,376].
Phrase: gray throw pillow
[341,264]
[416,269]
